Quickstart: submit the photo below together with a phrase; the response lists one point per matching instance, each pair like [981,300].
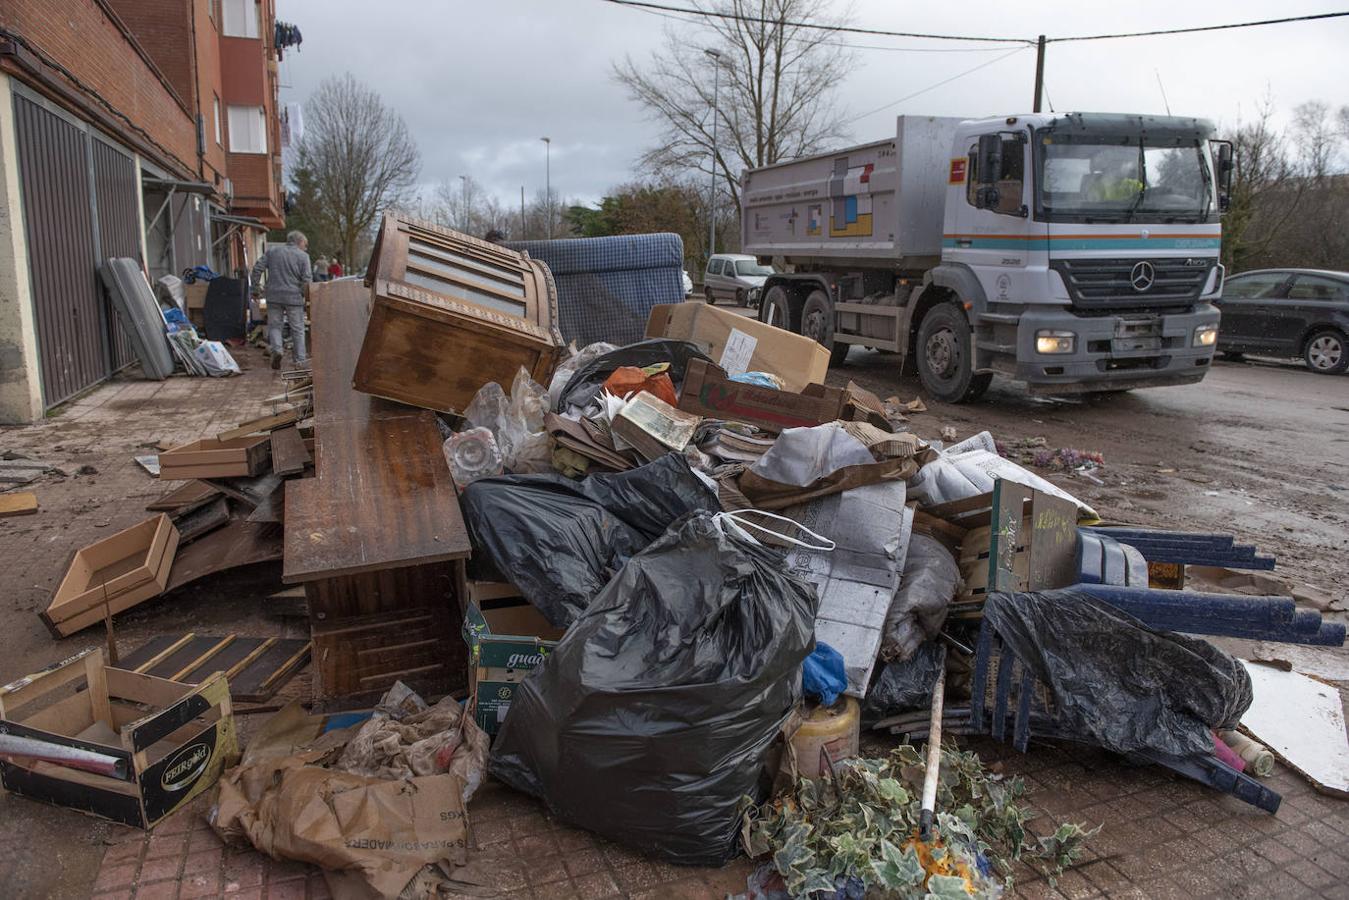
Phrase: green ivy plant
[863,824]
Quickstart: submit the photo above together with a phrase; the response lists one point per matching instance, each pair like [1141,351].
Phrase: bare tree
[775,99]
[359,157]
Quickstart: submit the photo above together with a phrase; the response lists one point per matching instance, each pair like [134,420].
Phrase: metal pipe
[930,775]
[61,755]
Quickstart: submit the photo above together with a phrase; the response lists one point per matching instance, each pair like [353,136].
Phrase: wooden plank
[174,662]
[153,652]
[383,496]
[265,423]
[289,455]
[203,659]
[265,675]
[237,544]
[185,498]
[250,490]
[23,503]
[202,520]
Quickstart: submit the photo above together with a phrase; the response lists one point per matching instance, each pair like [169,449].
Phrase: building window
[241,18]
[215,114]
[248,129]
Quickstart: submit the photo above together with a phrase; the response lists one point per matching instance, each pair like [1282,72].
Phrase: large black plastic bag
[655,714]
[905,684]
[1117,682]
[560,541]
[585,384]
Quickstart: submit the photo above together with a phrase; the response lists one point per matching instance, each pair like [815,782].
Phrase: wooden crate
[450,313]
[214,458]
[113,575]
[166,742]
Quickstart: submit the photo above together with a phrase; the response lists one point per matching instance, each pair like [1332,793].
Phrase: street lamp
[463,222]
[715,56]
[548,182]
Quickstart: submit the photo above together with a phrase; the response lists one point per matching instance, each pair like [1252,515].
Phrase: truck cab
[1072,252]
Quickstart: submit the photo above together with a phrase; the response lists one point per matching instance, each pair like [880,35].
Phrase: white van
[734,276]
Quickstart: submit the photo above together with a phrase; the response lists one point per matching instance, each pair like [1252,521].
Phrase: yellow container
[835,729]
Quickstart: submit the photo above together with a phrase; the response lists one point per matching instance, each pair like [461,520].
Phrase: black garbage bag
[1115,681]
[560,541]
[586,381]
[656,713]
[904,685]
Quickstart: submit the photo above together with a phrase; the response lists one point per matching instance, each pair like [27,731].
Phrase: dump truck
[1072,252]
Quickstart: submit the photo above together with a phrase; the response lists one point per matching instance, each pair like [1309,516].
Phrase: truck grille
[1112,283]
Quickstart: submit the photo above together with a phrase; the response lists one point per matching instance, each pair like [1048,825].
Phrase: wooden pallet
[255,667]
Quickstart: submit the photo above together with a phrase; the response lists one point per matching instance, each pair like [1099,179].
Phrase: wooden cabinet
[450,313]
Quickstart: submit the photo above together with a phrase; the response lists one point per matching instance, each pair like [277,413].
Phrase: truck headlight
[1050,342]
[1205,336]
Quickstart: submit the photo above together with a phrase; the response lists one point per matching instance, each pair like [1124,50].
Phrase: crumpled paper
[374,835]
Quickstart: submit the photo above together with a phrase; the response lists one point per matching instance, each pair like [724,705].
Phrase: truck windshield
[749,267]
[1123,178]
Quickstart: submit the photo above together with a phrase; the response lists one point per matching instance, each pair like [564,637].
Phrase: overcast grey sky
[480,83]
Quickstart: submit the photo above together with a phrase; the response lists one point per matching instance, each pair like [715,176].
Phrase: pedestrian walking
[287,270]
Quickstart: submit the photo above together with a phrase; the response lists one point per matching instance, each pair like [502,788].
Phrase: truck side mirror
[988,165]
[1226,165]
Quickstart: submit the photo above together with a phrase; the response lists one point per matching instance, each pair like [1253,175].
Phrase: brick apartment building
[140,128]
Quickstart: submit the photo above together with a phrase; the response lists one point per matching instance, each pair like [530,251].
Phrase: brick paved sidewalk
[1162,837]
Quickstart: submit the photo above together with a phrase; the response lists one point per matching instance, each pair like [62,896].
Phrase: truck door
[989,231]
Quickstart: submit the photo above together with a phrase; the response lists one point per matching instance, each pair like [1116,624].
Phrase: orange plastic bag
[628,380]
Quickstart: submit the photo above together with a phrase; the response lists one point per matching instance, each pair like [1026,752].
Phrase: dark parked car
[1288,312]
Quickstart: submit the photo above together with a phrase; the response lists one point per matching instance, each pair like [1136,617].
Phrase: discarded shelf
[451,313]
[255,667]
[214,458]
[1302,721]
[113,575]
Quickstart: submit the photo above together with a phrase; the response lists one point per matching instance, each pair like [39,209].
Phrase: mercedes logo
[1142,276]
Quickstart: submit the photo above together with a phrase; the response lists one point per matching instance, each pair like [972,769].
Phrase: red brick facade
[150,68]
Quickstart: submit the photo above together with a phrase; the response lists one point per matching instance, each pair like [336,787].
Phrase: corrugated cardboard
[506,642]
[709,393]
[740,344]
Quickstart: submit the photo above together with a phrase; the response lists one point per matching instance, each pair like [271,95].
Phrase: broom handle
[932,771]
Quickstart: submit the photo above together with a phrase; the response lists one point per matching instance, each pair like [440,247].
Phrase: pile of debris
[687,573]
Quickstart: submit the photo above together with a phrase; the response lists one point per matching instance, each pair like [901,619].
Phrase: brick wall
[81,37]
[162,28]
[209,86]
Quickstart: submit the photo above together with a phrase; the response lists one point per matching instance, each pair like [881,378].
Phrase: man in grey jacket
[288,270]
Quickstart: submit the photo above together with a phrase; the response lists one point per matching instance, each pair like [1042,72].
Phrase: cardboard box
[740,344]
[709,393]
[194,295]
[115,574]
[214,458]
[507,638]
[156,744]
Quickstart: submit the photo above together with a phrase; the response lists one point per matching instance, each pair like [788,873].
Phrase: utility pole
[523,236]
[548,182]
[715,56]
[1039,72]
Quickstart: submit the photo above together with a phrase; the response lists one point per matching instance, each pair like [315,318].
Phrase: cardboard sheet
[1302,721]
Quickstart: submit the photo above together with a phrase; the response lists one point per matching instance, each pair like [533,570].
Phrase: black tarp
[1117,682]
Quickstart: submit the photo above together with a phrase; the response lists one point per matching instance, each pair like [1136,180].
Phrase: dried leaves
[859,831]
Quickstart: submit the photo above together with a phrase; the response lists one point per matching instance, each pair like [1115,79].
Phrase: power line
[1108,37]
[932,87]
[841,29]
[848,29]
[689,17]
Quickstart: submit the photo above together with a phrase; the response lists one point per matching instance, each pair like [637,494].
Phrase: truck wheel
[817,323]
[741,298]
[945,357]
[776,309]
[710,297]
[1326,353]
